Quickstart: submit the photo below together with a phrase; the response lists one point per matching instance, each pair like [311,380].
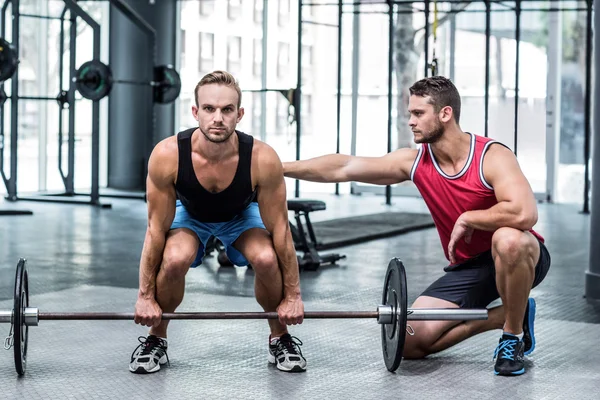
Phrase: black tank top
[214,207]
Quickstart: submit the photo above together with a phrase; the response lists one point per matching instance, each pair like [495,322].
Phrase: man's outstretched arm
[391,168]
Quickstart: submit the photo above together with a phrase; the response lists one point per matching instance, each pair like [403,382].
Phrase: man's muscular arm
[272,202]
[389,169]
[516,206]
[161,211]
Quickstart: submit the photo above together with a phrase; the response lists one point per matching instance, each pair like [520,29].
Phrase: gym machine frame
[68,178]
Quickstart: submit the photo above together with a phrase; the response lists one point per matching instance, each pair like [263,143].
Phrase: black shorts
[473,284]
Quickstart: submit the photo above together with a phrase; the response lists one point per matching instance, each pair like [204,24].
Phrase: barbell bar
[32,315]
[392,315]
[94,80]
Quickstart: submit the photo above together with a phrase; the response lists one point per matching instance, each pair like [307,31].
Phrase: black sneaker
[149,355]
[528,336]
[285,352]
[509,356]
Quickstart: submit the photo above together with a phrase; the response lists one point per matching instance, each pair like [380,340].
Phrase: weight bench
[303,235]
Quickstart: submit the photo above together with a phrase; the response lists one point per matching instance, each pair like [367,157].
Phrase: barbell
[392,314]
[94,79]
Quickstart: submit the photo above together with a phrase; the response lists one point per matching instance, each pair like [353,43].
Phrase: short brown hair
[219,78]
[441,91]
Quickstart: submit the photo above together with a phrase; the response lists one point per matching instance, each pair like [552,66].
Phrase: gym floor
[85,259]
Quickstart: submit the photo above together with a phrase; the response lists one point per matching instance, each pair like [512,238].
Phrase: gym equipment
[304,236]
[8,60]
[94,81]
[392,315]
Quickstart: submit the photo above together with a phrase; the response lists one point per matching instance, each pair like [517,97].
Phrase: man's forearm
[503,214]
[284,248]
[154,244]
[320,169]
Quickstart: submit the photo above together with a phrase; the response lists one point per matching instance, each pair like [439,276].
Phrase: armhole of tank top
[181,161]
[416,163]
[481,177]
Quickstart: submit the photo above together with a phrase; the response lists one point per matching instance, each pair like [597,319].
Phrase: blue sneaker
[528,336]
[509,356]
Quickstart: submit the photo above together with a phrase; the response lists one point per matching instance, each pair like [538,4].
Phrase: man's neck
[214,152]
[452,148]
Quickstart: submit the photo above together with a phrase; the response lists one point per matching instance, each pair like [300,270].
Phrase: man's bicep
[272,193]
[160,193]
[502,171]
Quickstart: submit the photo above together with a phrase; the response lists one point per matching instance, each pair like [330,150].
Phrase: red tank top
[447,197]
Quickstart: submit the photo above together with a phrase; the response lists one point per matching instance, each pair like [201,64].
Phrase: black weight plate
[8,60]
[394,295]
[21,330]
[168,84]
[94,80]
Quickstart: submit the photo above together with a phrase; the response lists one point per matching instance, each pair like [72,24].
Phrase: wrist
[465,219]
[143,295]
[293,294]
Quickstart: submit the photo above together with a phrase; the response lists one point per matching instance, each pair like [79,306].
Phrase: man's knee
[264,262]
[176,263]
[419,345]
[513,246]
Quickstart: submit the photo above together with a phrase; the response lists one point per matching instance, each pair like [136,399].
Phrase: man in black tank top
[216,181]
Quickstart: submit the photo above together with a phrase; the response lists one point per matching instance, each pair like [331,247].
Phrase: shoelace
[289,345]
[507,347]
[148,346]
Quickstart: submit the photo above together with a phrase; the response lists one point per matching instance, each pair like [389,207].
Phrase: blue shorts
[226,232]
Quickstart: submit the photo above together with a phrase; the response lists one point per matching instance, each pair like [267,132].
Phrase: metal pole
[339,83]
[61,67]
[78,11]
[412,314]
[517,62]
[14,107]
[70,178]
[298,94]
[263,72]
[388,188]
[355,75]
[588,109]
[592,275]
[452,57]
[42,35]
[487,64]
[3,34]
[426,42]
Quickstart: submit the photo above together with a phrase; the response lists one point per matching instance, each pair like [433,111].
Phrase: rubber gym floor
[85,259]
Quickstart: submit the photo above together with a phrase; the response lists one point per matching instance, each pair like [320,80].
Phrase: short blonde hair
[219,78]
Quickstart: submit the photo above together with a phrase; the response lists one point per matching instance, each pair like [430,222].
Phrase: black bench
[304,237]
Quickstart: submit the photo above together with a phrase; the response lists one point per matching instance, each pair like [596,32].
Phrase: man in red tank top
[484,210]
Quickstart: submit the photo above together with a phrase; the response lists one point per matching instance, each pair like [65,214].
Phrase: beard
[433,135]
[221,137]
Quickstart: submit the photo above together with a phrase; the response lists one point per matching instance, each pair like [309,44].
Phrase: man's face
[424,122]
[217,113]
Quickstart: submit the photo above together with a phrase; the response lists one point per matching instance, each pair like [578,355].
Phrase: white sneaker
[286,354]
[149,355]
